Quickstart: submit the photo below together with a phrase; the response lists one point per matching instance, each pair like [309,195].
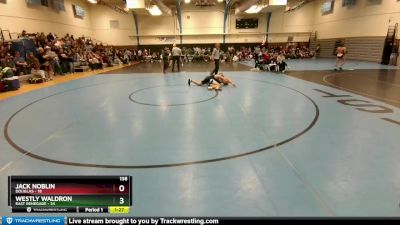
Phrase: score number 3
[121,188]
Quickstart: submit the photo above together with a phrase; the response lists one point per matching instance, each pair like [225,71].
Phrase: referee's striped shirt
[215,54]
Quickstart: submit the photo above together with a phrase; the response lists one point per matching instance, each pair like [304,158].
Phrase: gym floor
[310,142]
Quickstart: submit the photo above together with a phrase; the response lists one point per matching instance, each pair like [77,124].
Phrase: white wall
[157,25]
[360,20]
[100,24]
[197,22]
[245,35]
[202,22]
[16,16]
[301,20]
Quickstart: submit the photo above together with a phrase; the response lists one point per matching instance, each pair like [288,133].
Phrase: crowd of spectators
[62,55]
[230,54]
[59,55]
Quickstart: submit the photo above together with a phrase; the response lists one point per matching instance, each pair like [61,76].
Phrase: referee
[215,56]
[176,55]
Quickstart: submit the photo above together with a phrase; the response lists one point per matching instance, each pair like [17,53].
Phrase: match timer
[89,194]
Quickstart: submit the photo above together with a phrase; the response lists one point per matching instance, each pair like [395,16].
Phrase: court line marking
[6,166]
[325,79]
[32,155]
[307,184]
[167,105]
[296,171]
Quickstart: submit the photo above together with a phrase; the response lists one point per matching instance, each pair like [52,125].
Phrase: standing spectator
[257,53]
[24,34]
[317,50]
[139,54]
[50,37]
[176,55]
[165,57]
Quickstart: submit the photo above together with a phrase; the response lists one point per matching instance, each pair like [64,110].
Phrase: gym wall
[16,15]
[112,27]
[362,28]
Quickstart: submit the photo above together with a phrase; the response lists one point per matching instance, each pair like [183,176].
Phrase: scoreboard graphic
[74,194]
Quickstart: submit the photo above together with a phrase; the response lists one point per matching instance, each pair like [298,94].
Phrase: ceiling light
[254,9]
[93,1]
[278,2]
[187,1]
[220,0]
[154,10]
[135,4]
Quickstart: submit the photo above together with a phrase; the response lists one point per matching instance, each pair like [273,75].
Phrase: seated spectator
[280,61]
[44,63]
[105,59]
[265,58]
[33,62]
[34,66]
[9,49]
[7,62]
[20,64]
[64,61]
[53,60]
[94,61]
[117,60]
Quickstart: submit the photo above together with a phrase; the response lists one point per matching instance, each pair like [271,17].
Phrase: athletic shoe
[189,81]
[340,68]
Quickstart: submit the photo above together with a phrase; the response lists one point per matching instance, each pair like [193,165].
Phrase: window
[327,7]
[348,3]
[79,12]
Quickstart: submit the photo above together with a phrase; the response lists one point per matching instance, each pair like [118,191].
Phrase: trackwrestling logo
[32,220]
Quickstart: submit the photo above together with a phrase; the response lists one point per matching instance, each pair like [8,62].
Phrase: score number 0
[121,188]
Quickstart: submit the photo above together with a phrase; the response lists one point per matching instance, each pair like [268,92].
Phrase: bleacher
[358,48]
[27,45]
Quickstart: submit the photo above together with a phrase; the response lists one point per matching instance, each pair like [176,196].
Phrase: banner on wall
[34,2]
[58,5]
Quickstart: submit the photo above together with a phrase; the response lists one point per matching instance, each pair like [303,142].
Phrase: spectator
[20,64]
[280,61]
[33,62]
[8,62]
[50,37]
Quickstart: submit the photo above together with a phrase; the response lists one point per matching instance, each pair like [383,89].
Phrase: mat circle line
[60,162]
